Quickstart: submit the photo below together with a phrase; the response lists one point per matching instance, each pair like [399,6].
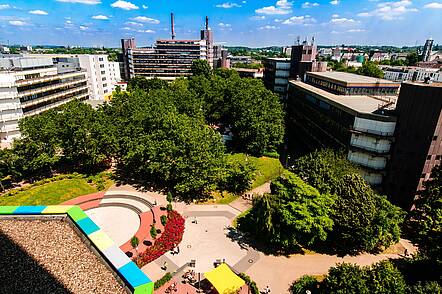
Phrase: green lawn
[267,168]
[50,193]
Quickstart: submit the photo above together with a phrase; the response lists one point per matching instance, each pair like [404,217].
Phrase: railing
[53,96]
[47,78]
[47,88]
[50,106]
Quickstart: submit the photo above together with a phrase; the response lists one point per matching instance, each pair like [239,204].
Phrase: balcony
[47,78]
[54,105]
[53,96]
[48,88]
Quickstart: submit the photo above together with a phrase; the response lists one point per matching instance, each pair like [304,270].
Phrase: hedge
[166,278]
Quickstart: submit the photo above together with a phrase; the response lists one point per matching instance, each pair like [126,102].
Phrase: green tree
[294,215]
[384,277]
[239,176]
[134,242]
[425,287]
[201,68]
[304,284]
[370,69]
[412,59]
[346,278]
[425,220]
[140,82]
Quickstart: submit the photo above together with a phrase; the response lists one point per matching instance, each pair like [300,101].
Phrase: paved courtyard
[119,223]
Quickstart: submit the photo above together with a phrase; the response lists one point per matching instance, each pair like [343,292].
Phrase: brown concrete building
[418,141]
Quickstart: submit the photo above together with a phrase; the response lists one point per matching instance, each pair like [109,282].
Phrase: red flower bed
[169,239]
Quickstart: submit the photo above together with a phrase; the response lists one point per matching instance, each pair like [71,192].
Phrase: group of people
[172,287]
[189,276]
[248,196]
[175,250]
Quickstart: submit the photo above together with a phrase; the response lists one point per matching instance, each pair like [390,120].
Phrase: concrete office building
[29,86]
[303,59]
[103,75]
[418,141]
[428,48]
[168,59]
[343,111]
[276,74]
[220,57]
[416,74]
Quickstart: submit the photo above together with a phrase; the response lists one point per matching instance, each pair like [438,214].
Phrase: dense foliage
[164,279]
[364,220]
[425,220]
[381,278]
[293,215]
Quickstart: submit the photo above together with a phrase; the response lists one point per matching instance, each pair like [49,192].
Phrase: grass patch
[56,190]
[267,168]
[241,215]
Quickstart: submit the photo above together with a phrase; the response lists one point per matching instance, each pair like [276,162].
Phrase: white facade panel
[374,126]
[370,143]
[367,160]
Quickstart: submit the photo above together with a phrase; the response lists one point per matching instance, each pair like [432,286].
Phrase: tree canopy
[293,215]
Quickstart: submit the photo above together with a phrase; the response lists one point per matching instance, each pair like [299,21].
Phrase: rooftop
[48,256]
[365,104]
[349,78]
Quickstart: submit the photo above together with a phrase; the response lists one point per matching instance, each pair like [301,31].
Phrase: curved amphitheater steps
[140,205]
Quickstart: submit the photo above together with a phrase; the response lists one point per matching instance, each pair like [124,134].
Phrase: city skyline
[236,22]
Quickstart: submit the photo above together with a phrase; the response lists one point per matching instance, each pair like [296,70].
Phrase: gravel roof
[48,256]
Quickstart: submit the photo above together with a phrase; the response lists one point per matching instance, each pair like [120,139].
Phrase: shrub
[134,241]
[169,207]
[163,220]
[305,283]
[166,278]
[153,231]
[252,285]
[272,154]
[425,288]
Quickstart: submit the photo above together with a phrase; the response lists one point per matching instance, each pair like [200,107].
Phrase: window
[100,59]
[429,157]
[434,138]
[422,176]
[101,65]
[438,157]
[103,72]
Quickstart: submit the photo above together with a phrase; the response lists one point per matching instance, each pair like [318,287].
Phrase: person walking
[165,265]
[267,290]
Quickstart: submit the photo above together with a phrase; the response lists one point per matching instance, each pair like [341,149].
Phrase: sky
[254,23]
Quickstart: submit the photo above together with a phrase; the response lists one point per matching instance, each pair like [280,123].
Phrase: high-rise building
[303,59]
[343,111]
[169,58]
[103,75]
[428,48]
[127,44]
[418,141]
[276,74]
[207,35]
[29,86]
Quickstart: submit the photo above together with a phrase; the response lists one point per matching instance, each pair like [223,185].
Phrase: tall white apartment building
[29,86]
[103,75]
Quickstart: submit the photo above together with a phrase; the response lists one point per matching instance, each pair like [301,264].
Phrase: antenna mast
[172,24]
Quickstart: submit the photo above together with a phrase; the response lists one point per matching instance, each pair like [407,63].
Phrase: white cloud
[83,28]
[268,27]
[335,15]
[334,2]
[18,23]
[125,5]
[356,31]
[38,12]
[309,4]
[227,5]
[89,2]
[146,19]
[434,5]
[146,31]
[299,20]
[135,24]
[258,17]
[5,6]
[281,7]
[390,10]
[100,17]
[343,21]
[224,25]
[144,6]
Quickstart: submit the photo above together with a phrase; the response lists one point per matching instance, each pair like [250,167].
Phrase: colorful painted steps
[127,270]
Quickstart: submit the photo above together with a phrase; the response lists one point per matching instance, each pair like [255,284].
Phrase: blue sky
[234,22]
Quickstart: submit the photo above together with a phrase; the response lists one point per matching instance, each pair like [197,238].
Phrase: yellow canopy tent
[224,280]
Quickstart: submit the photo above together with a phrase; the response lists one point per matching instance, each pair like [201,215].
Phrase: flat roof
[432,84]
[350,78]
[47,255]
[364,104]
[284,59]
